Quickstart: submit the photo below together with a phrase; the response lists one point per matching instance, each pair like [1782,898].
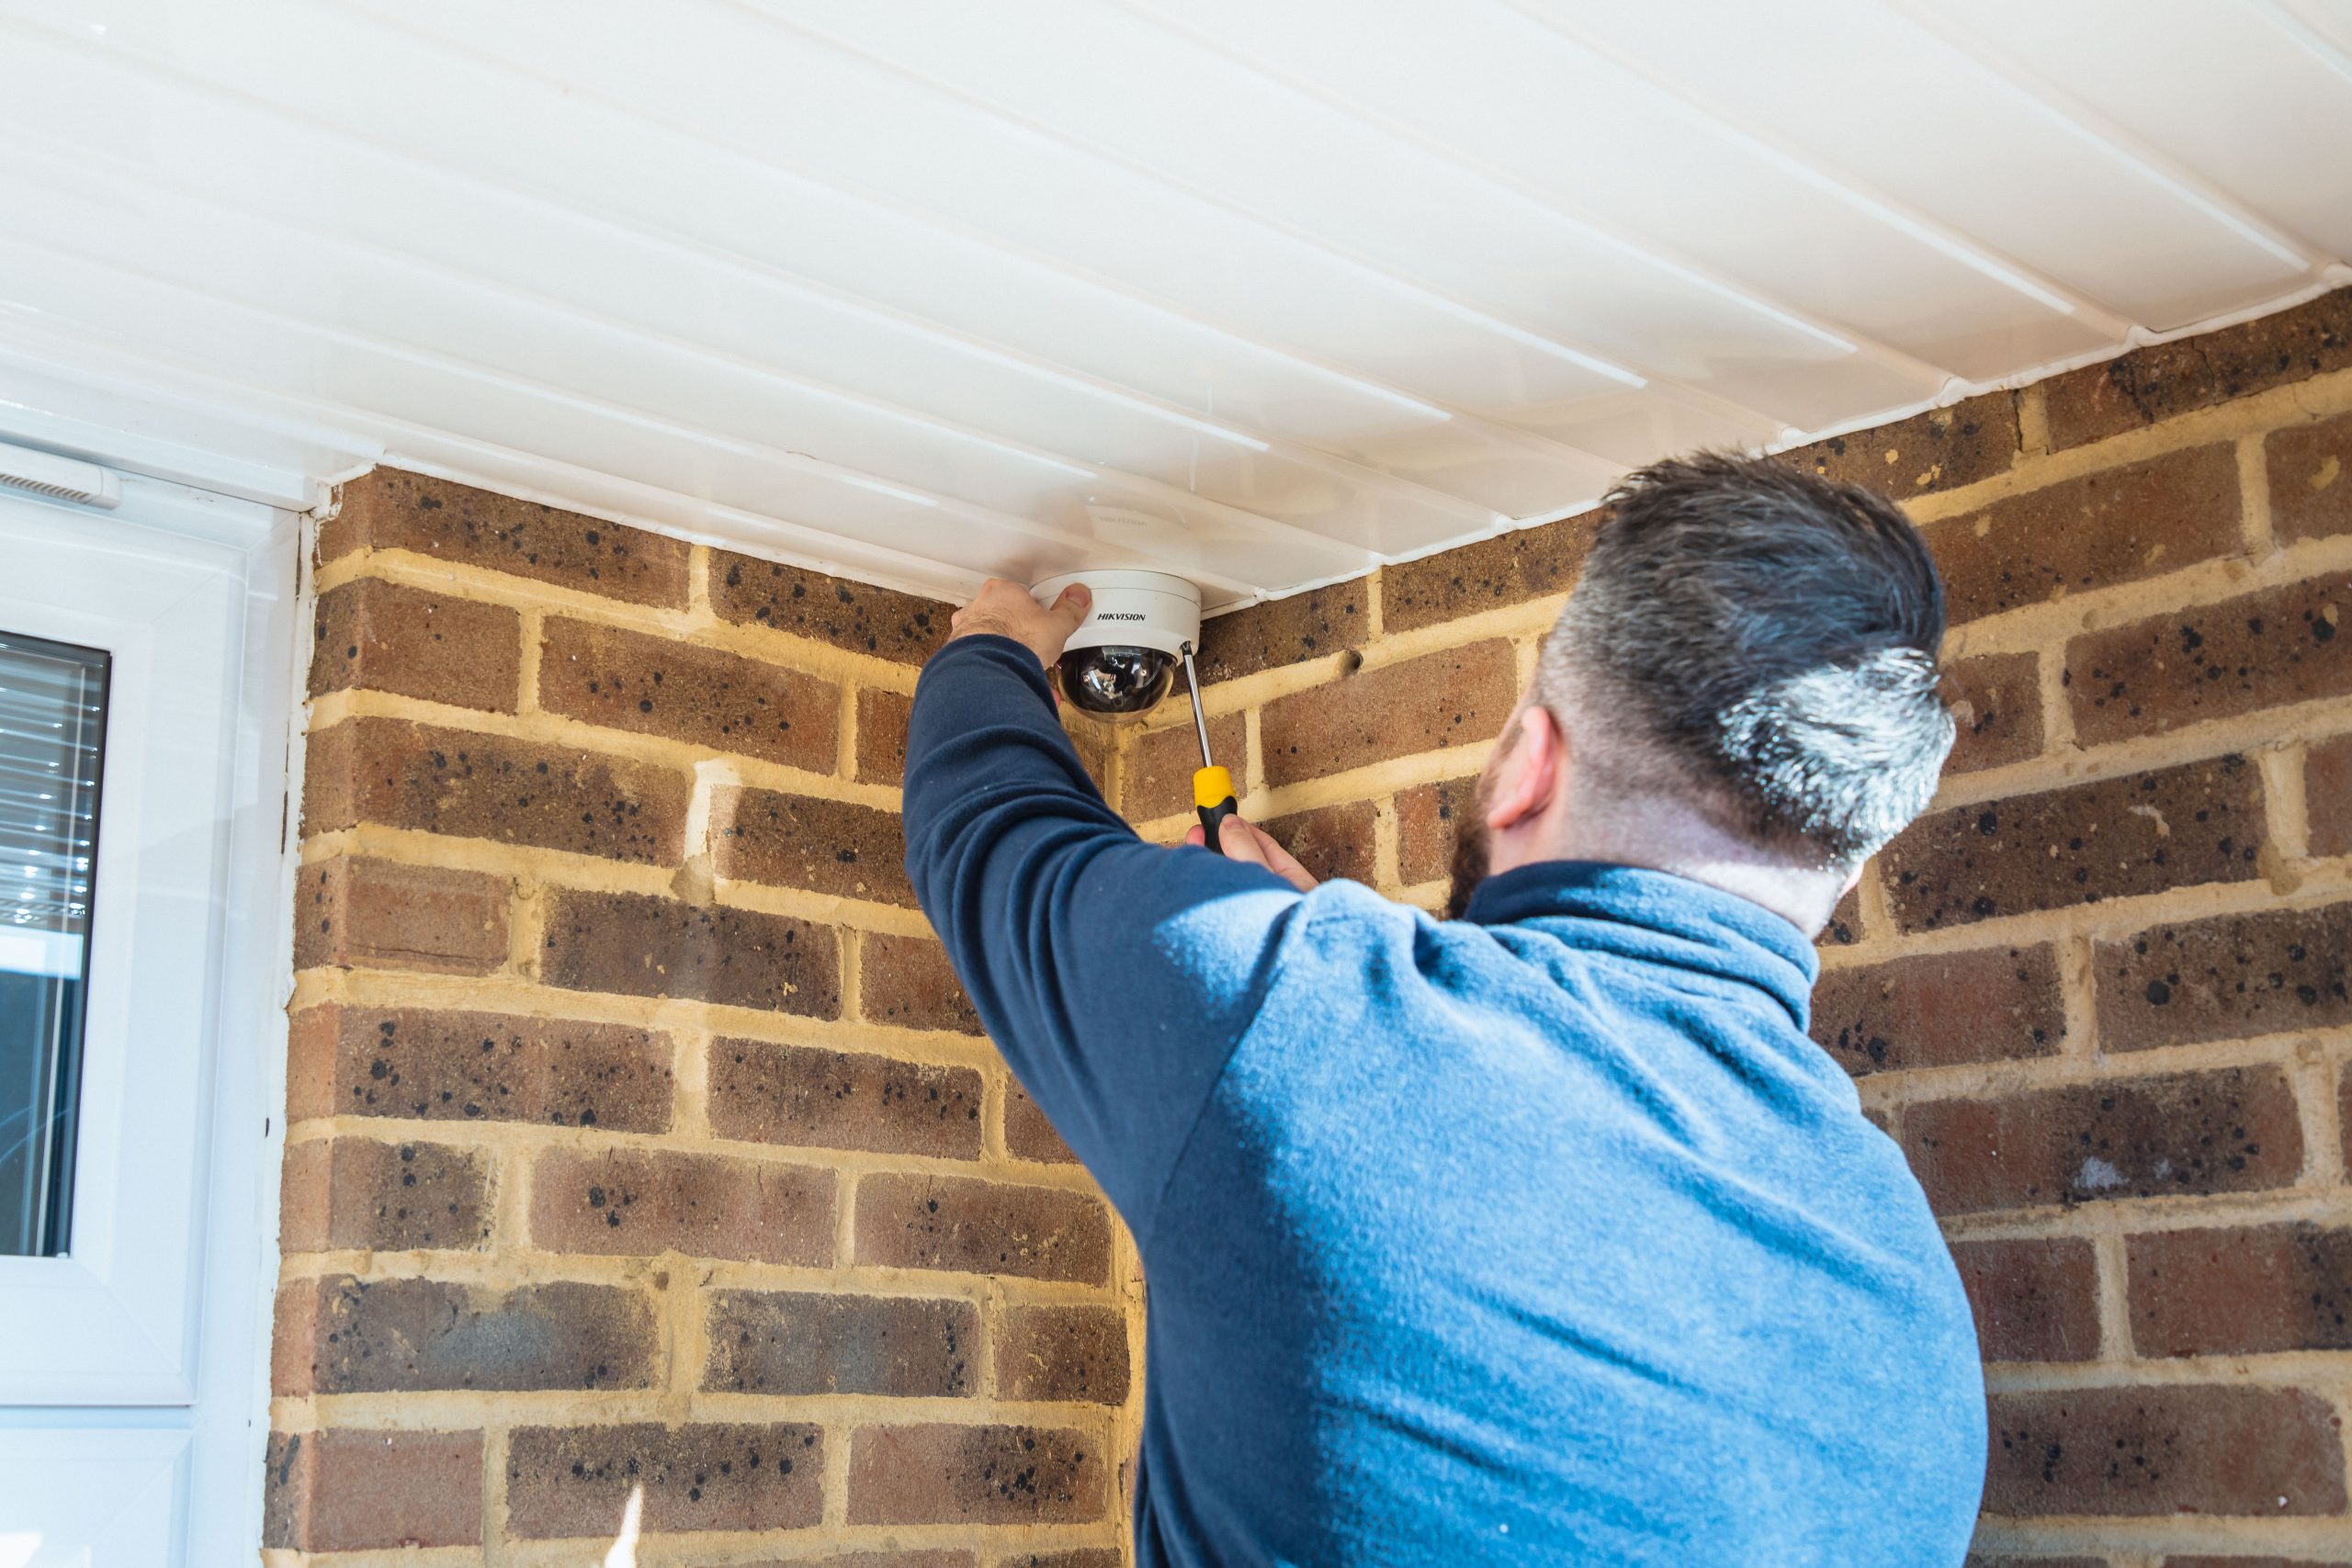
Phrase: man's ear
[1528,771]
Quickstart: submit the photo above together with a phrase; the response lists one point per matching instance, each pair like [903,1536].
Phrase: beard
[1472,853]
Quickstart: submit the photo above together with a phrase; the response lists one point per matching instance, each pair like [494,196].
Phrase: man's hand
[1245,842]
[1006,609]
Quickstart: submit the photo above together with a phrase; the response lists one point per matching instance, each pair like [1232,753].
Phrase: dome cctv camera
[1122,659]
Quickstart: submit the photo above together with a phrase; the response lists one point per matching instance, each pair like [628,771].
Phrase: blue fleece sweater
[1544,1236]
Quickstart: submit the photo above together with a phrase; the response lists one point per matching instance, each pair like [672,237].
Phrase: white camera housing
[1122,659]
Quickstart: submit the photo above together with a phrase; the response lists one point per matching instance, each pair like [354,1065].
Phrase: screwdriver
[1212,785]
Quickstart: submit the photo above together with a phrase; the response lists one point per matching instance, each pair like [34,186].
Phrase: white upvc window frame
[134,1368]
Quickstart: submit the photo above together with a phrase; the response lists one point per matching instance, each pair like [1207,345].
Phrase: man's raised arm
[1115,976]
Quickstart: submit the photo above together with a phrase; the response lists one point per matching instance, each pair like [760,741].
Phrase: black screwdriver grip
[1213,821]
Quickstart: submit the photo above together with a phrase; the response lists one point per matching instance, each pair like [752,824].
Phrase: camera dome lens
[1116,680]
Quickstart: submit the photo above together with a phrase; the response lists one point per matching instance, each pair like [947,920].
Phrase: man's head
[1744,680]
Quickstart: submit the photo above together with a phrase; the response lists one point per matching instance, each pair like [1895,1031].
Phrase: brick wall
[638,1135]
[2101,993]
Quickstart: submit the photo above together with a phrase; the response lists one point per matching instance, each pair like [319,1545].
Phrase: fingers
[1072,605]
[1194,837]
[1247,841]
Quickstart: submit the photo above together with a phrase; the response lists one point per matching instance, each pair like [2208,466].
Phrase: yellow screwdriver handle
[1213,797]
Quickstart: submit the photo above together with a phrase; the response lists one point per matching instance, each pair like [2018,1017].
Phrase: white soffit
[1260,291]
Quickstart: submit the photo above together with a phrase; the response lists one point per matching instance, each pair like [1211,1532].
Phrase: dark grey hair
[1761,642]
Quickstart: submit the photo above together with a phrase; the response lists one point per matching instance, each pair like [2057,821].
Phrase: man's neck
[1668,837]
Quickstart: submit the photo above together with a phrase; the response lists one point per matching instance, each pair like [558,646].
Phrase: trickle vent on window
[62,479]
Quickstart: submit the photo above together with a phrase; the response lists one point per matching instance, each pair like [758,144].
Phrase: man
[1544,1233]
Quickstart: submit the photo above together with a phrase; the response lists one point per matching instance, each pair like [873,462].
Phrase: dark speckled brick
[1331,840]
[2226,978]
[465,784]
[464,1067]
[2242,1289]
[642,946]
[1458,697]
[799,841]
[574,1481]
[2116,525]
[2158,382]
[1971,440]
[1283,631]
[794,1342]
[1510,569]
[2107,838]
[704,696]
[392,510]
[340,1334]
[2210,661]
[1845,927]
[2311,479]
[1936,1009]
[1996,702]
[2188,1134]
[2175,1449]
[855,615]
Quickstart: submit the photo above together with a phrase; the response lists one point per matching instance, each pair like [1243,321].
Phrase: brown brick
[855,615]
[1331,840]
[1027,1133]
[974,1476]
[357,912]
[907,981]
[378,635]
[2242,1290]
[704,696]
[948,1557]
[882,735]
[637,1203]
[2105,838]
[2117,525]
[1073,1353]
[344,1335]
[1996,702]
[1973,439]
[1845,927]
[2034,1301]
[1428,818]
[1268,636]
[1978,1560]
[637,945]
[2246,1562]
[360,1194]
[799,841]
[792,1342]
[1157,781]
[1510,569]
[2310,493]
[466,785]
[341,1490]
[2259,650]
[574,1481]
[389,510]
[2163,1450]
[2344,1114]
[2327,795]
[1439,700]
[1940,1009]
[2171,378]
[1091,1557]
[838,1099]
[452,1067]
[2187,1134]
[2227,977]
[982,1227]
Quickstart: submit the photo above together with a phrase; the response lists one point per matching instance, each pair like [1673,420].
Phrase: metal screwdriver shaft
[1213,794]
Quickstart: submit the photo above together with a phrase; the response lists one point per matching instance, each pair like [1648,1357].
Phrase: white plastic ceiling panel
[1261,293]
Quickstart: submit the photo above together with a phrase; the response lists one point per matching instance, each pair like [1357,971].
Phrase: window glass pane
[52,721]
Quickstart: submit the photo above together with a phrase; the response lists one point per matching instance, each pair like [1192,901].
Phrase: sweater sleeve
[1115,977]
